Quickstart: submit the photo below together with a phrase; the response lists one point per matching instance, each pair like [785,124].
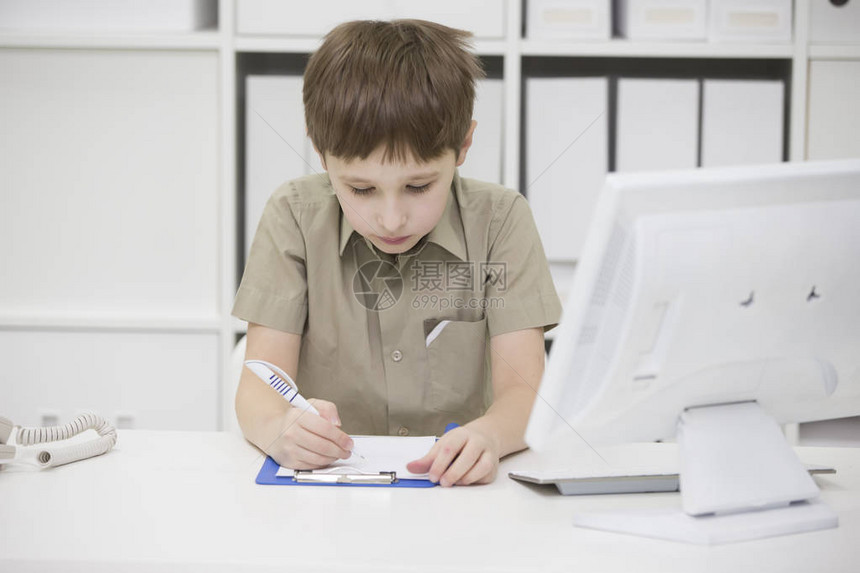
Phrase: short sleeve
[519,286]
[273,291]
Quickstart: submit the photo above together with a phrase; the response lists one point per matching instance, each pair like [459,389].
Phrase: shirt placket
[404,358]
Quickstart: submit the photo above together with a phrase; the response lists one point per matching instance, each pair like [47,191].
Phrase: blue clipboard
[268,475]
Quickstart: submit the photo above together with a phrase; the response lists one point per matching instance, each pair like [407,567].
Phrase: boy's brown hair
[406,84]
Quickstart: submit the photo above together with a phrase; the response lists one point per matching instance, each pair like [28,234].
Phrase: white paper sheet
[436,332]
[382,454]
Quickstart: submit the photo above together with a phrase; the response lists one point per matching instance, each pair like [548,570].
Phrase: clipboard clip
[309,476]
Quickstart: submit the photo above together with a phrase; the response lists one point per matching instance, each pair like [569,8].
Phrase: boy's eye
[369,190]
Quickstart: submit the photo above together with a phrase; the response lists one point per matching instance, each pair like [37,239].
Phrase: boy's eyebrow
[424,175]
[412,176]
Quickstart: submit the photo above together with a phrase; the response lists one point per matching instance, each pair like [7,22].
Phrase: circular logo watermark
[377,285]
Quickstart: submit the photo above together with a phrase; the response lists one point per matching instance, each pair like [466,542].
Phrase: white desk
[179,500]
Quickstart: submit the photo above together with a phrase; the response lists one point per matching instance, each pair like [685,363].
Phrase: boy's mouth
[394,240]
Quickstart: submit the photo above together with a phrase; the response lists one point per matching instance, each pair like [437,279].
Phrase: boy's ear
[467,143]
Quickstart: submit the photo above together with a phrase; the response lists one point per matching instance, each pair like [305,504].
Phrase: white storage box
[661,19]
[108,15]
[484,18]
[569,19]
[124,376]
[125,223]
[835,22]
[750,21]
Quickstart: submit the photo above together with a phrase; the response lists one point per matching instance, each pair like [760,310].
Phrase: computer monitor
[712,291]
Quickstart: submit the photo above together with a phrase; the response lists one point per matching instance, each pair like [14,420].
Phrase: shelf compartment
[202,40]
[641,49]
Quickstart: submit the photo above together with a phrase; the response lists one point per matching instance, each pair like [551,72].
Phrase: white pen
[283,385]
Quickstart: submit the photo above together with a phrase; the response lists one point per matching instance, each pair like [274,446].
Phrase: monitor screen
[705,287]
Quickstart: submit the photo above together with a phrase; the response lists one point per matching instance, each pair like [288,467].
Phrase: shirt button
[397,356]
[402,431]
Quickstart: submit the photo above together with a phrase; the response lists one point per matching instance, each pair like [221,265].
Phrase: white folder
[657,125]
[742,122]
[834,116]
[276,148]
[566,158]
[484,160]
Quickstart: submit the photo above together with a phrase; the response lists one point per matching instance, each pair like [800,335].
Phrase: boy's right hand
[307,441]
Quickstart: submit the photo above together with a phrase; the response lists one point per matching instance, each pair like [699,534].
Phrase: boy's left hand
[462,456]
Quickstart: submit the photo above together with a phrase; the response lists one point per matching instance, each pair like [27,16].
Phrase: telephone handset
[16,442]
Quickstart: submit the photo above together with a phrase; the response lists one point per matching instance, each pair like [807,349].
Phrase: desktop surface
[187,500]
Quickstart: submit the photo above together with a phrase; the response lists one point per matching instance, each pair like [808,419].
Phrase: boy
[378,284]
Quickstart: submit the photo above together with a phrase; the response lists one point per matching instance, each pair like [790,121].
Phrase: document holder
[268,476]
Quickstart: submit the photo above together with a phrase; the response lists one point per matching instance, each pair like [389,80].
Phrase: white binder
[276,148]
[566,158]
[658,124]
[484,160]
[742,122]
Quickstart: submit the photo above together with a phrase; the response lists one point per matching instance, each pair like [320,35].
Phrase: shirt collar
[346,232]
[448,232]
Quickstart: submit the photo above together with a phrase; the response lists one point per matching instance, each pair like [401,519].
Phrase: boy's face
[394,204]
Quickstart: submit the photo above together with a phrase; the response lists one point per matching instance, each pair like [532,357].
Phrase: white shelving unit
[202,40]
[121,357]
[224,45]
[621,48]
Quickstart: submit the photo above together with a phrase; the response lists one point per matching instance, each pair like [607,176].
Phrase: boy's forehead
[377,162]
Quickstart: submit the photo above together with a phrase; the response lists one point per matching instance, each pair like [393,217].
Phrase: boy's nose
[391,219]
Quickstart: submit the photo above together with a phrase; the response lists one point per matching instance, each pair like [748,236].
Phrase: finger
[327,410]
[324,429]
[310,459]
[291,455]
[422,464]
[484,470]
[464,462]
[449,446]
[319,445]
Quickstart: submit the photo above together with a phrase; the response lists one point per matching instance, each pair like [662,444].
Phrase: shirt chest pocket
[457,356]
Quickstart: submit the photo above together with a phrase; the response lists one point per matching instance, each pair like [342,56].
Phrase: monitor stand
[740,480]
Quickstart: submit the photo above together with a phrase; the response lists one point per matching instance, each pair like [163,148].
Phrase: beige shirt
[398,343]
